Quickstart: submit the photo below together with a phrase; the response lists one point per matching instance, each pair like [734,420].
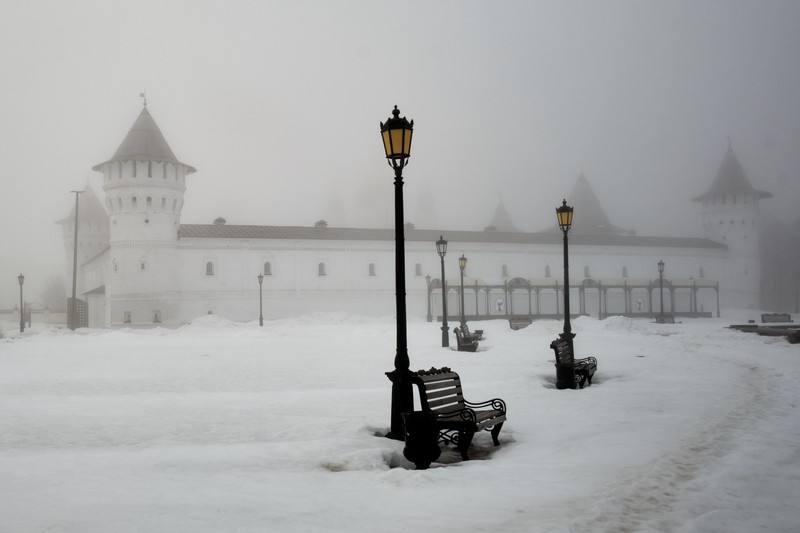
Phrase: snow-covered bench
[519,323]
[457,420]
[584,368]
[467,342]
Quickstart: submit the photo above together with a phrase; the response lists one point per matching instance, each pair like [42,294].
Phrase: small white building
[139,266]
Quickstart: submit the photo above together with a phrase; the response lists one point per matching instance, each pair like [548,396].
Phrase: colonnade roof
[230,231]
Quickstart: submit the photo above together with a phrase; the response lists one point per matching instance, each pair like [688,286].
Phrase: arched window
[149,169]
[149,203]
[417,269]
[586,273]
[163,204]
[321,269]
[164,171]
[267,268]
[174,205]
[372,270]
[505,271]
[133,163]
[133,203]
[624,272]
[547,271]
[209,268]
[702,272]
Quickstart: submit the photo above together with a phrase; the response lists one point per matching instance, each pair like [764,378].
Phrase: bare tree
[54,294]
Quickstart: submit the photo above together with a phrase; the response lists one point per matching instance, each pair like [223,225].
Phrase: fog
[277,105]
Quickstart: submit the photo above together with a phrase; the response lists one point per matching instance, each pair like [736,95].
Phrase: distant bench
[519,323]
[584,368]
[467,342]
[457,420]
[665,319]
[766,318]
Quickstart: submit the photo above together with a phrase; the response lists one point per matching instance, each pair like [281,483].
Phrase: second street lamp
[21,280]
[565,373]
[260,299]
[462,264]
[396,133]
[441,249]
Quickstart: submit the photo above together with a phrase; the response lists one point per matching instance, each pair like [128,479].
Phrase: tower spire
[143,96]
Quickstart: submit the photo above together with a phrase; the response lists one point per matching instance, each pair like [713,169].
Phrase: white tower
[731,216]
[144,184]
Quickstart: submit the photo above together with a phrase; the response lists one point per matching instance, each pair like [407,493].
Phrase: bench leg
[496,433]
[464,440]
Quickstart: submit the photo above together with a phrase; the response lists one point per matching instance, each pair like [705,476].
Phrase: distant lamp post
[260,299]
[565,372]
[661,287]
[73,305]
[396,133]
[441,249]
[21,280]
[462,264]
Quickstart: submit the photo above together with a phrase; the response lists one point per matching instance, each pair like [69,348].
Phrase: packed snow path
[222,426]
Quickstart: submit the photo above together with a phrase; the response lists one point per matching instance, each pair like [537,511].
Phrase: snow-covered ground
[221,426]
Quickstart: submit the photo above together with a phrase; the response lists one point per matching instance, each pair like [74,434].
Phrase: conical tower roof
[501,220]
[731,179]
[89,206]
[590,218]
[145,142]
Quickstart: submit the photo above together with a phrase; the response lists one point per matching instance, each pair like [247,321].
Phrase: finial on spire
[144,98]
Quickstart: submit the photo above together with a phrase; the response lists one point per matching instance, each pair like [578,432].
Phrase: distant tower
[144,184]
[731,216]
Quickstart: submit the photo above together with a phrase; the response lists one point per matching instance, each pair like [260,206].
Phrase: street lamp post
[396,133]
[462,264]
[260,300]
[441,249]
[661,287]
[73,311]
[21,280]
[565,372]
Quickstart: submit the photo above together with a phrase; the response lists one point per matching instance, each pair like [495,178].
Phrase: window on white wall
[624,272]
[505,271]
[321,269]
[372,269]
[267,268]
[126,317]
[209,268]
[586,272]
[547,271]
[417,269]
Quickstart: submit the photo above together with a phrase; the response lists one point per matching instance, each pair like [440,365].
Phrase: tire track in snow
[648,499]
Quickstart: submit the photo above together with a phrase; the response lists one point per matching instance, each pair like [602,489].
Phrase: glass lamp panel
[386,143]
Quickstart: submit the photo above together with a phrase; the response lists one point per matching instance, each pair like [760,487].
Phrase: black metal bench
[457,420]
[519,323]
[767,318]
[665,319]
[584,368]
[467,342]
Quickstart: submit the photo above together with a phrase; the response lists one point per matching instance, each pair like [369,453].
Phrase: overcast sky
[277,105]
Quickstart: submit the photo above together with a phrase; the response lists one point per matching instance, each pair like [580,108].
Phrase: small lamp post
[441,249]
[261,299]
[661,287]
[396,133]
[462,264]
[565,372]
[21,280]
